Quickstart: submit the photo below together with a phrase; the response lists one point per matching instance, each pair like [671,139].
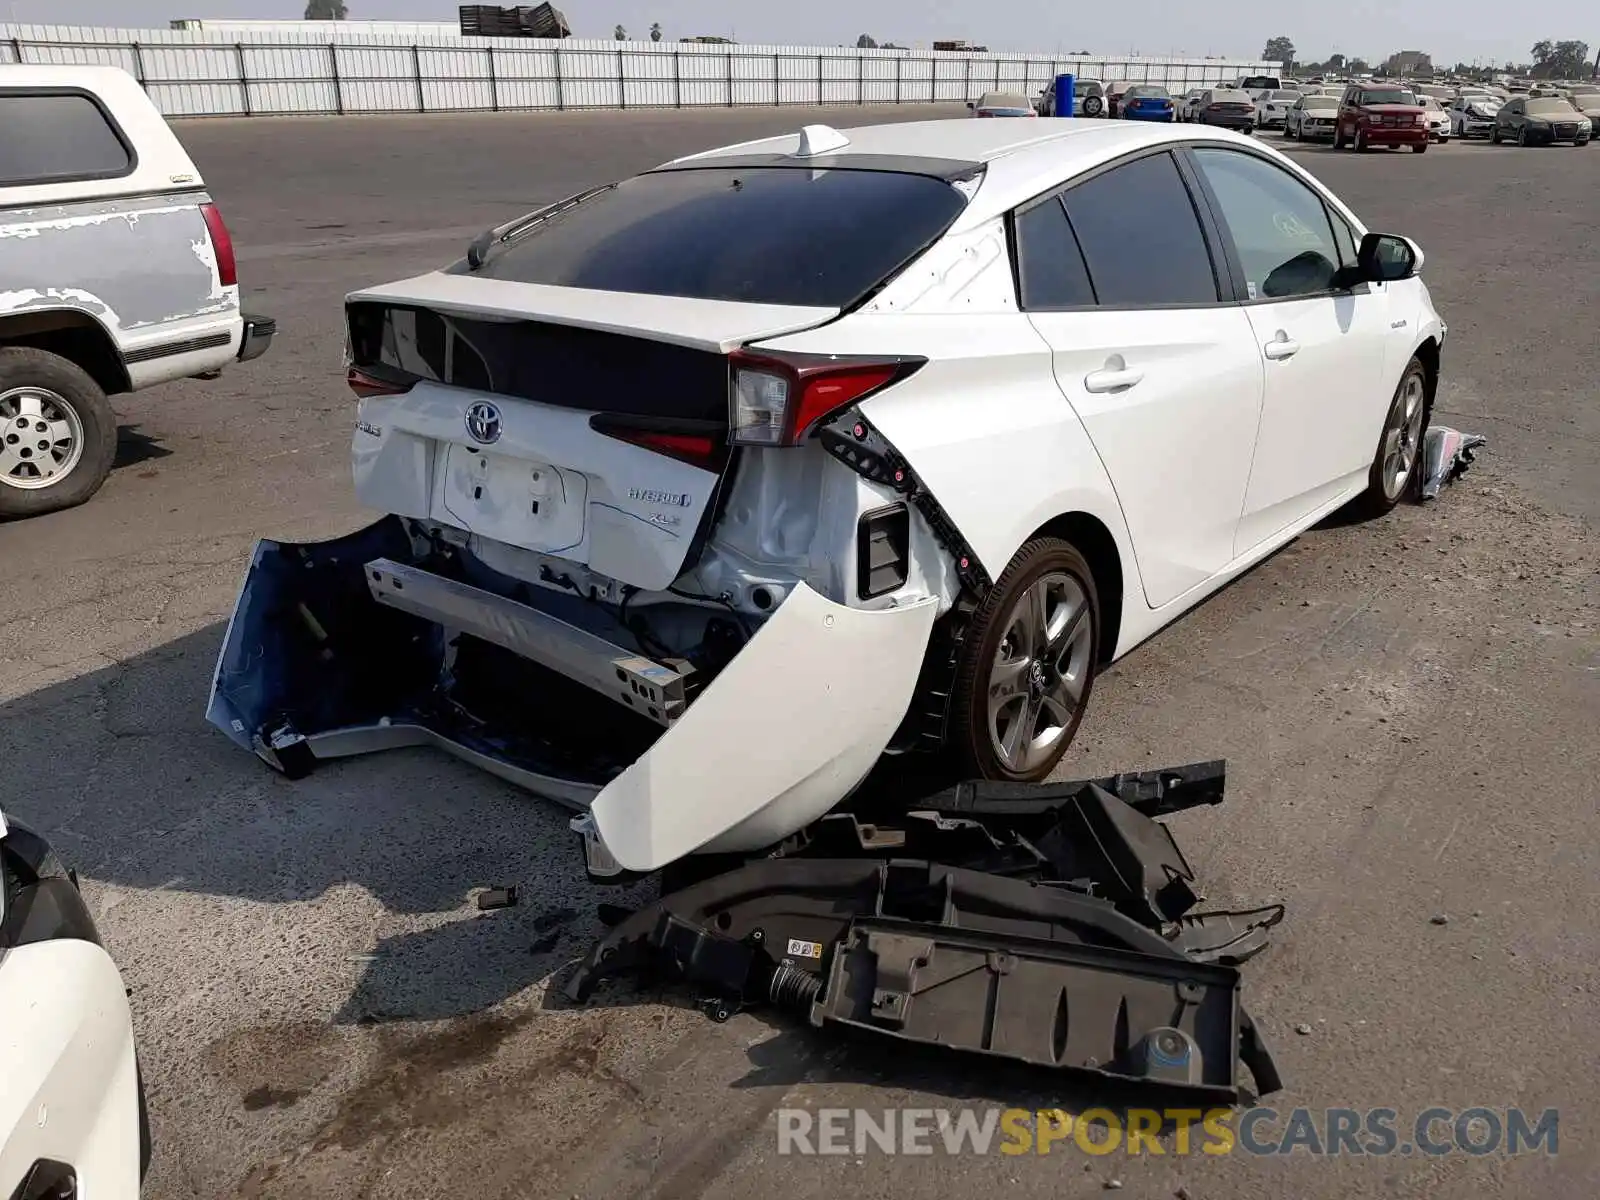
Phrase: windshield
[1146,92]
[1386,96]
[1320,103]
[1230,97]
[765,235]
[1262,83]
[1286,97]
[1549,108]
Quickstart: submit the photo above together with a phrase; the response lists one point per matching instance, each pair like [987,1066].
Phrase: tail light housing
[221,245]
[365,383]
[777,400]
[700,444]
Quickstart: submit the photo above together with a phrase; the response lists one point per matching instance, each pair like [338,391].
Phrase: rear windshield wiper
[482,245]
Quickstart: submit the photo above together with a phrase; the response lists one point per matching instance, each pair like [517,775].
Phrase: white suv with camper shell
[117,273]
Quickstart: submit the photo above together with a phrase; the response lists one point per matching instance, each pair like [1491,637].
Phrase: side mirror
[972,104]
[1388,258]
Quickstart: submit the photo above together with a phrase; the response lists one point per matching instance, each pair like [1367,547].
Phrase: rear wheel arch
[73,335]
[1098,546]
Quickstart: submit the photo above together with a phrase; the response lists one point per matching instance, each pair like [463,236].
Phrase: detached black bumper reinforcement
[258,334]
[1054,925]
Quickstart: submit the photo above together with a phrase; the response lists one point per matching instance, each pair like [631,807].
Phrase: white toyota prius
[709,488]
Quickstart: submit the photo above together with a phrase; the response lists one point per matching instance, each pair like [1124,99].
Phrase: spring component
[792,987]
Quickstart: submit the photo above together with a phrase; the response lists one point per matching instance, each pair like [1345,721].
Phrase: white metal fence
[191,74]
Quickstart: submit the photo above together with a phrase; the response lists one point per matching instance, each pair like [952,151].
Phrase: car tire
[44,394]
[1020,672]
[1288,134]
[1398,459]
[1362,145]
[1422,149]
[1092,106]
[1522,136]
[1338,137]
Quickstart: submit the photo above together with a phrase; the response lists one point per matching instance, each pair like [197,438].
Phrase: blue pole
[1064,95]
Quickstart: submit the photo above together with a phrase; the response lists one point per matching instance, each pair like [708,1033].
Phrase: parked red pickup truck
[1381,116]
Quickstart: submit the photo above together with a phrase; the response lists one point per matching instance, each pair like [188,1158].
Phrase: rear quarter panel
[142,267]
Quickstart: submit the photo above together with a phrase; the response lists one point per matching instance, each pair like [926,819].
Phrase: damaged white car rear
[710,488]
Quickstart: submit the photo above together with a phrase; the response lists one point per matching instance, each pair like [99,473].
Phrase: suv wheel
[1027,666]
[1362,145]
[58,435]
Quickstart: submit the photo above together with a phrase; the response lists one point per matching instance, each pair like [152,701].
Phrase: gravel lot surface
[1409,709]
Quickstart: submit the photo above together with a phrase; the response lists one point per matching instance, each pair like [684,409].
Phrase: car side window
[1141,237]
[54,137]
[1051,272]
[1345,238]
[1279,226]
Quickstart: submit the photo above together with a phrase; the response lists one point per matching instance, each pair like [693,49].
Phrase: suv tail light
[221,245]
[365,383]
[776,400]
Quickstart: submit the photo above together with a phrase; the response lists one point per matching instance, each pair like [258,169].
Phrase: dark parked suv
[1381,116]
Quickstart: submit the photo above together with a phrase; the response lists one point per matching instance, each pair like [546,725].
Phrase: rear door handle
[1282,348]
[1111,380]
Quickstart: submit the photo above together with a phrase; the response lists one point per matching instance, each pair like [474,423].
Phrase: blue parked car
[1147,102]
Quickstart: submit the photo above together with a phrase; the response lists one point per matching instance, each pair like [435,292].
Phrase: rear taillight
[777,401]
[704,450]
[365,384]
[221,245]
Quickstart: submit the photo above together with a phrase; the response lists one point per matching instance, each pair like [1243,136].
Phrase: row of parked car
[1365,114]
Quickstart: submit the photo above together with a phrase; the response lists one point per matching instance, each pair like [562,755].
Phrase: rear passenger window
[53,137]
[1050,267]
[1140,236]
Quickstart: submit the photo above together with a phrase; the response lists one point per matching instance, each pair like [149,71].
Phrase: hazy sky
[1451,32]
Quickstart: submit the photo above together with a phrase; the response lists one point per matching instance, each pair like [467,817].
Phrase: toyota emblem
[483,423]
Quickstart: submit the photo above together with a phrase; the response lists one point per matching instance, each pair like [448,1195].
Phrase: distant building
[1409,63]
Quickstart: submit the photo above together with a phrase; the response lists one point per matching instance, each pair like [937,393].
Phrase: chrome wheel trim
[1040,671]
[41,438]
[1402,438]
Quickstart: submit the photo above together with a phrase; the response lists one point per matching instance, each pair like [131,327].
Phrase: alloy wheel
[1402,439]
[1041,668]
[41,438]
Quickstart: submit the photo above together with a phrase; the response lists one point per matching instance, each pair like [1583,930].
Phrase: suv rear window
[53,137]
[769,235]
[1260,83]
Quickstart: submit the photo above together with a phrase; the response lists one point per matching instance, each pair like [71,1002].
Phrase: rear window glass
[56,137]
[1230,96]
[1146,92]
[1255,83]
[767,235]
[1550,108]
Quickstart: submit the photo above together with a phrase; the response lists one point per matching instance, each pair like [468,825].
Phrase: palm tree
[655,32]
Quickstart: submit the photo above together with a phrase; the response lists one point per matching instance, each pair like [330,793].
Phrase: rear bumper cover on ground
[325,658]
